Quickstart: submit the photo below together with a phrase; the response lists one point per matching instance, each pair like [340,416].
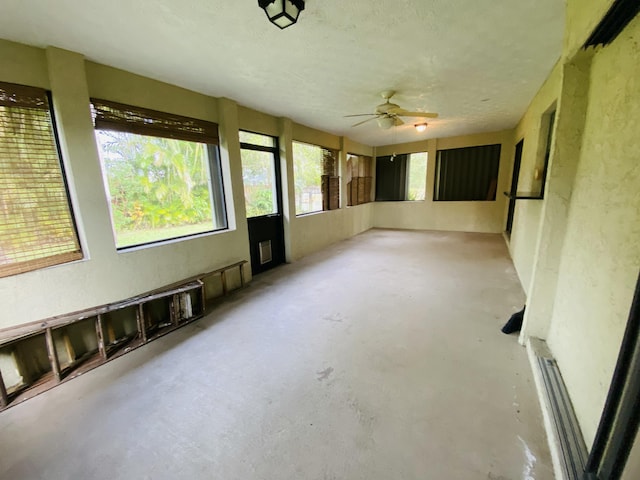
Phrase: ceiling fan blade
[364,121]
[360,115]
[406,113]
[397,122]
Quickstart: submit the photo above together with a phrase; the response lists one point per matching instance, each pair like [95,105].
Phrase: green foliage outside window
[307,174]
[417,176]
[259,182]
[159,188]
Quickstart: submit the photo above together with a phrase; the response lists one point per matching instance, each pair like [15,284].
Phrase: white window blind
[36,223]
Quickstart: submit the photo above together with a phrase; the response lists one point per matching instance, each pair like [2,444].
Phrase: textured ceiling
[478,64]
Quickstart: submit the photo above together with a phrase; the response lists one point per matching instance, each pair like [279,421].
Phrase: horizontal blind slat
[143,121]
[36,223]
[14,95]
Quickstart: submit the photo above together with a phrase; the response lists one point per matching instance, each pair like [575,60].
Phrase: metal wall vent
[265,252]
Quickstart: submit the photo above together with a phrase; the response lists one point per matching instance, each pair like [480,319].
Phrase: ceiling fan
[388,114]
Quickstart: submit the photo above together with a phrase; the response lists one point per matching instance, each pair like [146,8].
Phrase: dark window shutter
[391,178]
[467,174]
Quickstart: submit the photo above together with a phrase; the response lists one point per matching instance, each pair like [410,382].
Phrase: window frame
[331,180]
[438,174]
[364,180]
[208,131]
[16,268]
[275,150]
[401,169]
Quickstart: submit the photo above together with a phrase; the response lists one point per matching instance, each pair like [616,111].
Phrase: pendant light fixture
[282,13]
[421,127]
[386,122]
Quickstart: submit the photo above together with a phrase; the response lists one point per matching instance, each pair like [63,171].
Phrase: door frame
[517,161]
[275,150]
[620,420]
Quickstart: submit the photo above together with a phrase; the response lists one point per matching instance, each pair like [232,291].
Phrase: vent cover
[265,252]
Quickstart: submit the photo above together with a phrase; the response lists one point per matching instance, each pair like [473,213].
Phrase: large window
[466,174]
[358,179]
[401,177]
[162,173]
[259,154]
[417,176]
[36,222]
[316,182]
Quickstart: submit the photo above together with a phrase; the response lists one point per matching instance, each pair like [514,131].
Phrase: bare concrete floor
[378,358]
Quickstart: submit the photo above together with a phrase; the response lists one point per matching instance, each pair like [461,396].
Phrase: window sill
[524,196]
[160,243]
[301,215]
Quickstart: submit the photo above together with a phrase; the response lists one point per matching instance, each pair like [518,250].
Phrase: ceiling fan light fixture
[386,122]
[421,127]
[282,13]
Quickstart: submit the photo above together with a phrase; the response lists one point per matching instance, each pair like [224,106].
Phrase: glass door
[263,199]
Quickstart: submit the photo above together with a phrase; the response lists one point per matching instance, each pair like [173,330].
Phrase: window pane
[358,179]
[307,173]
[259,182]
[36,225]
[257,139]
[417,176]
[159,188]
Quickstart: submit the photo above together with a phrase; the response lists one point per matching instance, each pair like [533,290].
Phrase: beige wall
[601,254]
[258,122]
[455,216]
[23,64]
[581,270]
[582,18]
[312,232]
[524,232]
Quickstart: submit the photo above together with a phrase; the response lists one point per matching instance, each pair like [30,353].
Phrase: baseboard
[568,450]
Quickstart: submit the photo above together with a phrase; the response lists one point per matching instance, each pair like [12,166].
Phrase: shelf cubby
[75,343]
[25,364]
[118,328]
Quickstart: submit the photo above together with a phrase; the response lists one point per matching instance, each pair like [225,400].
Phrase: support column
[288,185]
[232,173]
[70,93]
[565,154]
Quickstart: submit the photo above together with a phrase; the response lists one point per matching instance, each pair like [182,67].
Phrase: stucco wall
[526,220]
[601,253]
[486,217]
[582,18]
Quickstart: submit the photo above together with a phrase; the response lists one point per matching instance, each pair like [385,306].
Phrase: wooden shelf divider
[4,398]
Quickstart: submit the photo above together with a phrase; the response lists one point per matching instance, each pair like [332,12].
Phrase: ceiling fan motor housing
[384,108]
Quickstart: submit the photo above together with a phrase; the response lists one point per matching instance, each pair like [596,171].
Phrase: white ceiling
[477,63]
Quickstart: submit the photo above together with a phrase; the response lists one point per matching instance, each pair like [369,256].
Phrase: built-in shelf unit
[37,356]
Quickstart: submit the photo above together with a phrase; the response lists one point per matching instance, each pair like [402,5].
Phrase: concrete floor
[378,358]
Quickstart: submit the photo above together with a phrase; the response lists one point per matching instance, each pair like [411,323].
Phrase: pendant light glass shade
[386,122]
[282,13]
